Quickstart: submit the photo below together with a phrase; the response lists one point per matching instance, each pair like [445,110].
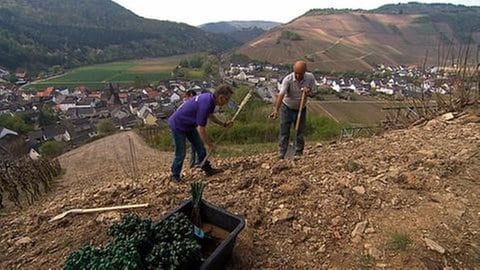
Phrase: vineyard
[25,179]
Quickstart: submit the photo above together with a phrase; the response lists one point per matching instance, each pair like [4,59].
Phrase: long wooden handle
[300,110]
[101,209]
[242,104]
[93,210]
[220,138]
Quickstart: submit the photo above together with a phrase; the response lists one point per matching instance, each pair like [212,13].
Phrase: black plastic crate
[220,218]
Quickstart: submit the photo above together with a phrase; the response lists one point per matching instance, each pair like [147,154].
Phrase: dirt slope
[334,208]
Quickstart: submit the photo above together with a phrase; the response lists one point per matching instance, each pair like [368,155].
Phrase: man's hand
[308,91]
[211,147]
[274,114]
[228,124]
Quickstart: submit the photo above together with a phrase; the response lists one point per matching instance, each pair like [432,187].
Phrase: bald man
[287,105]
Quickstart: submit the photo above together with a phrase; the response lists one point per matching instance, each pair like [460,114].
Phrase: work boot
[209,171]
[175,179]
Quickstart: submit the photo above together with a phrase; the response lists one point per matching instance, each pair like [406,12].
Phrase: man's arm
[313,90]
[203,134]
[278,101]
[217,121]
[276,106]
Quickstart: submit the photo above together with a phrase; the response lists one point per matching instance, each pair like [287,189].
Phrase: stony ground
[407,199]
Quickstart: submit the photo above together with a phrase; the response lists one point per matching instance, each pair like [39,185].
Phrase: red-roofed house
[95,94]
[20,74]
[152,94]
[123,97]
[45,93]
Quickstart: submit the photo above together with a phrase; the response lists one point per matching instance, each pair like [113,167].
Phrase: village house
[149,119]
[58,98]
[5,132]
[67,103]
[385,90]
[54,132]
[11,143]
[95,95]
[4,72]
[45,94]
[120,112]
[75,113]
[87,102]
[80,92]
[124,97]
[79,131]
[21,77]
[126,122]
[35,137]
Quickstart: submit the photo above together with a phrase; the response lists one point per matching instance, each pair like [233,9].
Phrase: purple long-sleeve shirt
[194,112]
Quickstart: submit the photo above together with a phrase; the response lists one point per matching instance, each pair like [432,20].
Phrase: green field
[124,73]
[352,113]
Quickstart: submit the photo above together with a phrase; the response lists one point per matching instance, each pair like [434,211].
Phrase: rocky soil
[407,199]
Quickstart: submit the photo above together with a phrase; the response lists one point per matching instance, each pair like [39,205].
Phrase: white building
[387,91]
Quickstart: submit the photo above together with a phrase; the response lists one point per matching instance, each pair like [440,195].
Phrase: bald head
[299,68]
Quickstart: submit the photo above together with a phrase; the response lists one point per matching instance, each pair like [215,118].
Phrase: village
[397,82]
[79,111]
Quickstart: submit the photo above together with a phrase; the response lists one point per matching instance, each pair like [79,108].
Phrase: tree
[11,78]
[179,73]
[196,61]
[56,69]
[51,148]
[184,63]
[207,68]
[105,127]
[15,123]
[47,117]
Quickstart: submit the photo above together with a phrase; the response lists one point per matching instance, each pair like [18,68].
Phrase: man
[189,122]
[287,104]
[193,156]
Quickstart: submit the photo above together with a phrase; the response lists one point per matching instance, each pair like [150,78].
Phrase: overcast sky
[196,12]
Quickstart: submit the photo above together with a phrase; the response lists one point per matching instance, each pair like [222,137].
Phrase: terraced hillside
[337,40]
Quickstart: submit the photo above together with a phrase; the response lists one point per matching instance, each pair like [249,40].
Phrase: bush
[105,127]
[162,140]
[14,123]
[289,35]
[51,148]
[47,117]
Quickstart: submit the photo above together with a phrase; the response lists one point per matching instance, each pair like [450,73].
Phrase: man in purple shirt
[189,122]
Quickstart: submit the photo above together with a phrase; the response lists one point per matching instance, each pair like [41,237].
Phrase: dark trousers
[194,157]
[288,118]
[179,140]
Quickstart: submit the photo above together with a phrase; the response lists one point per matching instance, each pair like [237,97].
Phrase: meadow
[124,73]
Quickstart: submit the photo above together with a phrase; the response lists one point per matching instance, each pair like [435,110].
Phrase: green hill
[39,34]
[242,31]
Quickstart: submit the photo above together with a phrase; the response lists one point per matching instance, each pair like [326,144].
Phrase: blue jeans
[179,141]
[194,158]
[288,117]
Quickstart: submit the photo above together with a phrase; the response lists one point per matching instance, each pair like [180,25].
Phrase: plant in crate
[197,193]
